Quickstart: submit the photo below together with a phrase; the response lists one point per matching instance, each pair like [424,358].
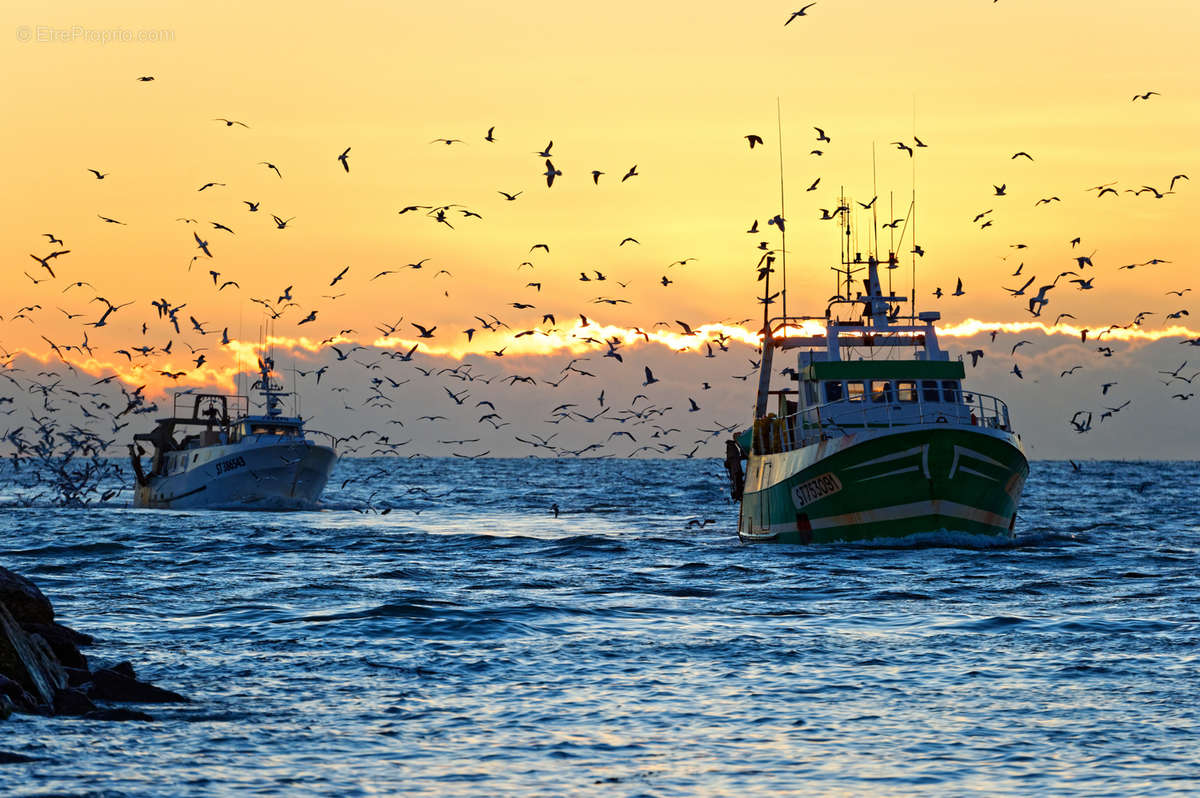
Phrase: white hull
[243,476]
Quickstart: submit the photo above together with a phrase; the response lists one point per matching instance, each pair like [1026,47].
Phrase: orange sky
[672,87]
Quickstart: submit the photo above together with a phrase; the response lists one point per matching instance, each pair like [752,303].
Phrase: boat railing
[329,436]
[811,425]
[209,408]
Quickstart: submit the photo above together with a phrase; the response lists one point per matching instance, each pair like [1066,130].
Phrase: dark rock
[77,677]
[110,685]
[124,668]
[117,713]
[13,698]
[23,599]
[78,638]
[63,642]
[29,660]
[11,689]
[72,702]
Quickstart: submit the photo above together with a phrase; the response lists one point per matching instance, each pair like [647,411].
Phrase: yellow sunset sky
[671,87]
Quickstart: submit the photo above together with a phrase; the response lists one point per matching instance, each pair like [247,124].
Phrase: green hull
[886,485]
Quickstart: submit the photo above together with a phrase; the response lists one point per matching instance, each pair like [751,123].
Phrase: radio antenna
[782,215]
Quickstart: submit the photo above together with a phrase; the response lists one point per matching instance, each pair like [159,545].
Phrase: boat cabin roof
[885,370]
[274,421]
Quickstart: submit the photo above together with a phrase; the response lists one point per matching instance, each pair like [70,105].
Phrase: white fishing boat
[212,453]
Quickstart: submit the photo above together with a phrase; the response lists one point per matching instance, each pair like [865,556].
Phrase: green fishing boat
[872,435]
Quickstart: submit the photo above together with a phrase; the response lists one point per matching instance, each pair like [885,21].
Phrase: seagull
[230,122]
[1022,154]
[551,172]
[1000,189]
[253,205]
[596,176]
[270,165]
[958,290]
[650,378]
[633,172]
[511,197]
[99,175]
[546,152]
[110,221]
[447,142]
[821,133]
[342,158]
[1145,96]
[753,139]
[209,185]
[489,136]
[800,13]
[281,223]
[202,244]
[425,333]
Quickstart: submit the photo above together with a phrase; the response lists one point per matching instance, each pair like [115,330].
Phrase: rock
[23,599]
[117,713]
[111,685]
[11,689]
[124,668]
[77,677]
[63,641]
[72,701]
[29,660]
[15,698]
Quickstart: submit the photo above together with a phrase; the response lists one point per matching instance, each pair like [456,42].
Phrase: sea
[436,630]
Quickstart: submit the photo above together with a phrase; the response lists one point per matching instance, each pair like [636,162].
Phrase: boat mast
[768,344]
[782,216]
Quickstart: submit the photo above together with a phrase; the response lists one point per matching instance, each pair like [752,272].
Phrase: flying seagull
[800,13]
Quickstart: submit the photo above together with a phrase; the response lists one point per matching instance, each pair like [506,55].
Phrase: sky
[672,88]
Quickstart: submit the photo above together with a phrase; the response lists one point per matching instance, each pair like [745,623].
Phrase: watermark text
[52,34]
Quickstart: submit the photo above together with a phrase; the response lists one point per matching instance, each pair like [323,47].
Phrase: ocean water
[466,642]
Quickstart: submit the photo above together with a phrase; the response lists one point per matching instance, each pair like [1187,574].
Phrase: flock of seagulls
[69,457]
[374,381]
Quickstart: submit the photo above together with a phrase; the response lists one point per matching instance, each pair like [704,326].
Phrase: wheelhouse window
[906,391]
[855,390]
[929,391]
[833,391]
[270,429]
[881,391]
[950,390]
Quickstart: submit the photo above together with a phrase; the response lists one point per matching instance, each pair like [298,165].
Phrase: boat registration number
[230,464]
[814,489]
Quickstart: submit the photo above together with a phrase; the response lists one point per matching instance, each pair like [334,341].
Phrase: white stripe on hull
[900,512]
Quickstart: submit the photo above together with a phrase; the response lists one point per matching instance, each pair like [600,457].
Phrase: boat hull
[275,476]
[886,484]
